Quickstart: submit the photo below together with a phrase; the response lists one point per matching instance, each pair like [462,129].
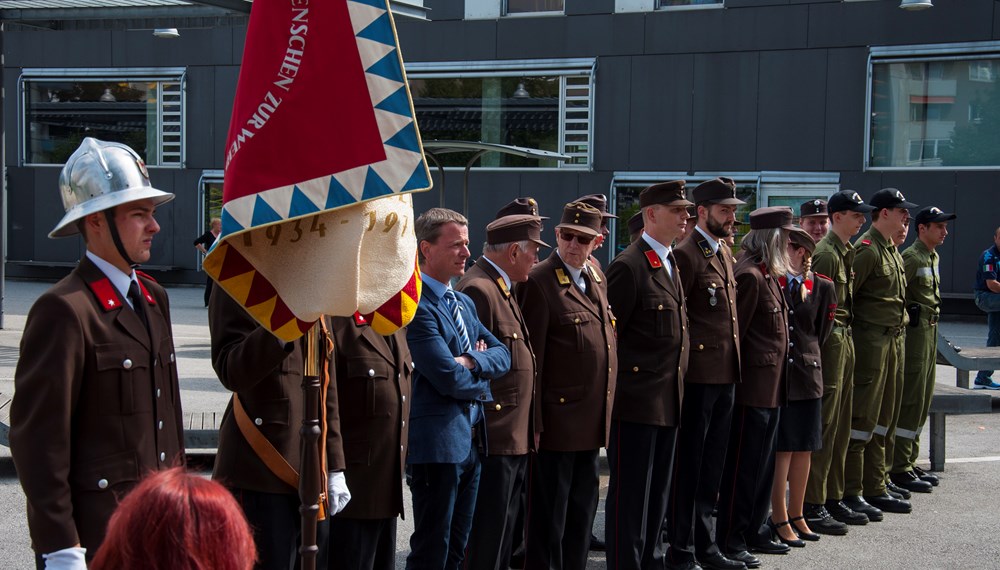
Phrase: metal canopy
[35,10]
[434,148]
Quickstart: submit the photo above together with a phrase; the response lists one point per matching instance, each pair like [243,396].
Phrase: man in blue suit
[454,357]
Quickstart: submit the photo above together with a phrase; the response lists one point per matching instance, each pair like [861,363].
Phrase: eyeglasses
[580,239]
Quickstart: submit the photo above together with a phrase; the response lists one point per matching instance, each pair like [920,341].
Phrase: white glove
[339,494]
[72,558]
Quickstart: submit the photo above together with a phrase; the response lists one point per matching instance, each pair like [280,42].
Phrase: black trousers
[501,482]
[745,497]
[362,544]
[277,524]
[641,458]
[562,504]
[701,448]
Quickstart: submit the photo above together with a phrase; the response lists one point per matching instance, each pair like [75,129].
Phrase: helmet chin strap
[109,214]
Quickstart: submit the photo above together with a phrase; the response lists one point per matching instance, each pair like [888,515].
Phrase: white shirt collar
[120,280]
[711,240]
[436,286]
[502,273]
[659,248]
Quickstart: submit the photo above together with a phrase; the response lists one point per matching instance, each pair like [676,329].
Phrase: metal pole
[440,168]
[310,478]
[3,185]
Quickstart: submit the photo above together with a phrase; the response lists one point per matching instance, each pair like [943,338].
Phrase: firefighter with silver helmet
[96,403]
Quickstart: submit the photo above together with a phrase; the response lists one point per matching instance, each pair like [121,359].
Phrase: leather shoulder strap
[274,461]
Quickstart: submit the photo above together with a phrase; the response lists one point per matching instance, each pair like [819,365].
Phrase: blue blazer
[444,391]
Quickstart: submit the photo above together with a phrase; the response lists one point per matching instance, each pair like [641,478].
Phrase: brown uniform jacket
[251,362]
[575,351]
[510,426]
[763,319]
[373,389]
[810,323]
[653,339]
[715,343]
[96,405]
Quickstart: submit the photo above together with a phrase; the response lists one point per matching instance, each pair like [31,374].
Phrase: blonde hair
[768,246]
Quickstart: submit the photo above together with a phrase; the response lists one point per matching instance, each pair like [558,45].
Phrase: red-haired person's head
[177,521]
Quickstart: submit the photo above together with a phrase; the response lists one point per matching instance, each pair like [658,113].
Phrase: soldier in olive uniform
[644,289]
[511,250]
[572,333]
[706,269]
[824,509]
[879,318]
[923,305]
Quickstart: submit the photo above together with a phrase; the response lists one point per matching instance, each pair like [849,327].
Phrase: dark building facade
[795,99]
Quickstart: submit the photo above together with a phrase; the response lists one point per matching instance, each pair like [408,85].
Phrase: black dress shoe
[896,492]
[794,543]
[909,480]
[804,535]
[769,547]
[686,565]
[745,557]
[925,476]
[859,505]
[841,512]
[888,504]
[820,521]
[718,561]
[596,544]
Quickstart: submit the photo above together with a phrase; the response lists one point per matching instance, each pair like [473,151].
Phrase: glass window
[675,3]
[541,110]
[941,112]
[533,6]
[145,114]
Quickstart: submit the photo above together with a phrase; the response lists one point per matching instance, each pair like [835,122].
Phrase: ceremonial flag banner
[323,151]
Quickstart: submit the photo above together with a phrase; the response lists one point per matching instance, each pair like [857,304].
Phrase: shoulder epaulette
[654,259]
[561,276]
[594,273]
[146,275]
[104,291]
[503,286]
[706,249]
[145,293]
[866,242]
[820,275]
[360,319]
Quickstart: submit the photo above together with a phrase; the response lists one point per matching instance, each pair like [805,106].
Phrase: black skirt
[800,427]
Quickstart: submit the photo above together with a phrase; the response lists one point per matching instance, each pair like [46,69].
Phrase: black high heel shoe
[810,536]
[795,542]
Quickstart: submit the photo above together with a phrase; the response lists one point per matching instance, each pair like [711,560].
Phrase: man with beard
[879,288]
[706,270]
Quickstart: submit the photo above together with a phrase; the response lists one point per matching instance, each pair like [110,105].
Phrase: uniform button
[499,407]
[609,347]
[682,348]
[163,456]
[157,392]
[734,319]
[701,347]
[159,424]
[127,364]
[635,369]
[102,484]
[156,362]
[515,336]
[576,320]
[659,307]
[562,400]
[791,361]
[413,365]
[791,328]
[399,377]
[404,397]
[172,357]
[609,370]
[371,372]
[258,421]
[404,423]
[609,393]
[401,448]
[791,345]
[791,312]
[734,337]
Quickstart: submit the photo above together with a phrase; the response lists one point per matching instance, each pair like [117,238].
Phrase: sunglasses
[580,238]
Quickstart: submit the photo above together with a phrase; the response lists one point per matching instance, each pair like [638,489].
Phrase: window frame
[921,53]
[569,67]
[713,6]
[96,74]
[505,12]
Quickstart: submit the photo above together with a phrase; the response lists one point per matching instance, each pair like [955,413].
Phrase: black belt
[846,328]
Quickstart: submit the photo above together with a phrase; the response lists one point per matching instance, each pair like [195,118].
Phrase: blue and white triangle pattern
[403,170]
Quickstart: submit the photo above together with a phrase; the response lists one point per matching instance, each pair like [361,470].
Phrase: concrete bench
[966,359]
[947,401]
[201,429]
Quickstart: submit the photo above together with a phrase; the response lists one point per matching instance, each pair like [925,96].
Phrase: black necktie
[138,303]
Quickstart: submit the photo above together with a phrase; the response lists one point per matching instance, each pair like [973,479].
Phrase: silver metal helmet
[101,175]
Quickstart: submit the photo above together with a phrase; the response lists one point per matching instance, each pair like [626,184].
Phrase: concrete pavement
[952,527]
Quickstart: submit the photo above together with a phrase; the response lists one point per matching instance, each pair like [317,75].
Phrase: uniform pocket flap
[574,318]
[368,368]
[505,397]
[763,358]
[811,360]
[564,395]
[104,473]
[269,412]
[113,357]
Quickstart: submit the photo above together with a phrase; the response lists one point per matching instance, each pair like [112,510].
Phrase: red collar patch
[654,259]
[360,319]
[145,293]
[105,293]
[866,242]
[783,281]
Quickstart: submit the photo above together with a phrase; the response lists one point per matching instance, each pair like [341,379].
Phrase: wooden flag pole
[310,477]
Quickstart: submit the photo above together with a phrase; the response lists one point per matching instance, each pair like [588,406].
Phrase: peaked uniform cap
[598,201]
[667,193]
[890,198]
[813,208]
[582,218]
[847,200]
[517,206]
[519,227]
[719,190]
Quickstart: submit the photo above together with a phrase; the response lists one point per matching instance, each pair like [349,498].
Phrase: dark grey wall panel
[612,111]
[475,40]
[659,128]
[975,197]
[21,227]
[844,145]
[224,89]
[864,183]
[575,7]
[200,137]
[11,101]
[576,36]
[791,110]
[48,210]
[707,31]
[443,10]
[143,49]
[724,129]
[90,48]
[883,23]
[730,4]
